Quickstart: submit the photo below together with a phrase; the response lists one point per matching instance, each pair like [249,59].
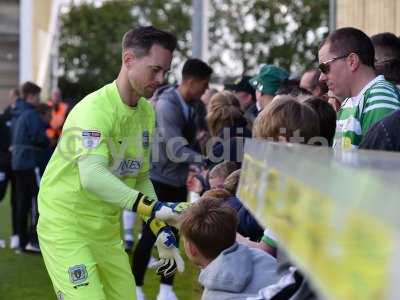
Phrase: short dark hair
[196,68]
[30,88]
[210,224]
[326,115]
[142,38]
[346,40]
[387,44]
[387,52]
[292,88]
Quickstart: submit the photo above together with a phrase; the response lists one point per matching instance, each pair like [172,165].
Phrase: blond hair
[286,117]
[224,111]
[231,182]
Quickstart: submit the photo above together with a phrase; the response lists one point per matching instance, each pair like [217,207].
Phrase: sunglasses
[324,66]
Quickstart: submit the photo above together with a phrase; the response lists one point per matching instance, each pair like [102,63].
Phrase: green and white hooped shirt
[357,114]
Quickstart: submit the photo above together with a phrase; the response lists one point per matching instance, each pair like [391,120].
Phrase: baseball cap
[242,84]
[269,79]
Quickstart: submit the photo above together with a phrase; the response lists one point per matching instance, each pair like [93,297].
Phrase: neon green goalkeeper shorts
[82,270]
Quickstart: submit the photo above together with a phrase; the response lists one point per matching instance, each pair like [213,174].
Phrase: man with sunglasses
[346,61]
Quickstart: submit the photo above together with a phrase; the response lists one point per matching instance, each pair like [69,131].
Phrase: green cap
[269,79]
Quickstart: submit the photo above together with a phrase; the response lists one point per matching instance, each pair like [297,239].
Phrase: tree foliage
[243,34]
[252,32]
[91,34]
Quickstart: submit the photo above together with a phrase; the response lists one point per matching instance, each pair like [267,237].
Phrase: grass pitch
[24,276]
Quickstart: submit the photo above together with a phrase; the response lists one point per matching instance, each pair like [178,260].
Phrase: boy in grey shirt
[229,270]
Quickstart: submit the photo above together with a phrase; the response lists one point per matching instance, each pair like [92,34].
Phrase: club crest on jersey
[146,139]
[128,167]
[77,274]
[90,138]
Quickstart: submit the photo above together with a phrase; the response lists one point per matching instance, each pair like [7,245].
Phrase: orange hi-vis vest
[57,120]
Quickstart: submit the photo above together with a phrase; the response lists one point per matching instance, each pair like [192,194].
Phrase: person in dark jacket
[28,143]
[228,128]
[384,135]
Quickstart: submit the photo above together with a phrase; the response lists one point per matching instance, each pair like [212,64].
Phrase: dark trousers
[27,190]
[9,177]
[142,253]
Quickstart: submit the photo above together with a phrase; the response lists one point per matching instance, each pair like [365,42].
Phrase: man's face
[33,98]
[306,81]
[263,99]
[338,78]
[198,87]
[147,73]
[56,96]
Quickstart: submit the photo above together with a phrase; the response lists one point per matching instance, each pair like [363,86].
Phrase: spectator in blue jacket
[28,146]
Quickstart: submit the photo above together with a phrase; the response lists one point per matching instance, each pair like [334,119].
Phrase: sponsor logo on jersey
[129,167]
[78,274]
[90,138]
[146,139]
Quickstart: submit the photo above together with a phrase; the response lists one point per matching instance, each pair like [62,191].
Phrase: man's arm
[96,178]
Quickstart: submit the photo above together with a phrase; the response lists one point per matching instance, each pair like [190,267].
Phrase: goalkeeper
[101,167]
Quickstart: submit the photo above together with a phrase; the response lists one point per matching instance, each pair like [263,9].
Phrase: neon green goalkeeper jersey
[101,125]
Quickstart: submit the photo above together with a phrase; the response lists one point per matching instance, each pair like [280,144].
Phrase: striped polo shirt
[357,114]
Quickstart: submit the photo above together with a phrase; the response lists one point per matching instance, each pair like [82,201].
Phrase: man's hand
[170,212]
[167,212]
[170,259]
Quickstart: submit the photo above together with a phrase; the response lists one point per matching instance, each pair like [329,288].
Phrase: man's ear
[128,58]
[353,61]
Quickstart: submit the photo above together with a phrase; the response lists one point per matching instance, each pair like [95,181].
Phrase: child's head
[223,111]
[220,172]
[327,118]
[287,119]
[218,193]
[208,228]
